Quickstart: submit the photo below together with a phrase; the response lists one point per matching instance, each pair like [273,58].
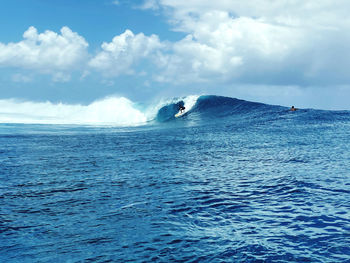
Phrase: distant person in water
[181,108]
[293,109]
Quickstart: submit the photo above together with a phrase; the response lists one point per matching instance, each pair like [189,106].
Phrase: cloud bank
[262,42]
[253,42]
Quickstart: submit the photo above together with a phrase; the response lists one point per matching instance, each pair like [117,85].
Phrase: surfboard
[179,114]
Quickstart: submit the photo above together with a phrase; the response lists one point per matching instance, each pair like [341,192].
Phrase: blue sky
[97,21]
[277,52]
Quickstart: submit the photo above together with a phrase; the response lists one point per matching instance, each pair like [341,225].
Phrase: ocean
[230,181]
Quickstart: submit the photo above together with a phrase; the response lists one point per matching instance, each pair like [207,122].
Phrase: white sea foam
[117,111]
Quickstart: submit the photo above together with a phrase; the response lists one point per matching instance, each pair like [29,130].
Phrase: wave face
[218,106]
[211,109]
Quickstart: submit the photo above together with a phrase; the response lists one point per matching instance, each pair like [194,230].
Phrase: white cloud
[270,42]
[296,13]
[150,4]
[18,77]
[124,52]
[48,52]
[220,47]
[61,77]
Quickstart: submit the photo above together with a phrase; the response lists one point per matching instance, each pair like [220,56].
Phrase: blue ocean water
[230,181]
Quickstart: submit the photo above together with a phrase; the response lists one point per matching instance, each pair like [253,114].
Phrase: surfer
[181,108]
[293,109]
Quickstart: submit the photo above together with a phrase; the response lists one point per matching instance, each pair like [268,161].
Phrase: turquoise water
[231,181]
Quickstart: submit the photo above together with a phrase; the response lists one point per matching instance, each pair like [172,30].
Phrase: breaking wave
[117,111]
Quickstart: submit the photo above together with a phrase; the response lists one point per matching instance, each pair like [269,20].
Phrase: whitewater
[119,181]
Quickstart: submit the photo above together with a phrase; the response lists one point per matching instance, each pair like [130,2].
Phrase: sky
[285,52]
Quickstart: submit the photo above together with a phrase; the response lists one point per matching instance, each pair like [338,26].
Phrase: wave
[120,111]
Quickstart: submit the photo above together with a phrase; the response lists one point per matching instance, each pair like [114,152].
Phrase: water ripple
[219,193]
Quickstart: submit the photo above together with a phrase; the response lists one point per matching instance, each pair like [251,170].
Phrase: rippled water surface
[236,189]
